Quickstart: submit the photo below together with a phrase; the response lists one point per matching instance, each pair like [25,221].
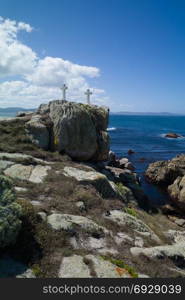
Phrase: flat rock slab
[98,180]
[176,236]
[171,251]
[74,267]
[35,174]
[39,173]
[122,218]
[19,171]
[68,222]
[105,269]
[20,189]
[5,164]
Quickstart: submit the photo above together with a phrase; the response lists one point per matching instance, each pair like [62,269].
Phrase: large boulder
[76,129]
[10,213]
[38,132]
[177,192]
[172,135]
[171,175]
[165,172]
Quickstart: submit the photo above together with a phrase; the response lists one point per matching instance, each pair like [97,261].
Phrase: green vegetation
[131,211]
[120,263]
[10,213]
[14,139]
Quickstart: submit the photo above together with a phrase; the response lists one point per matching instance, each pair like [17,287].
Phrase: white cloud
[38,80]
[15,57]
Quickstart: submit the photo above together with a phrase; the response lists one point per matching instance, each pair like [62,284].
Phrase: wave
[111,128]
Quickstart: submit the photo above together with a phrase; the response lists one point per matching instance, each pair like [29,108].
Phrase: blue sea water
[146,136]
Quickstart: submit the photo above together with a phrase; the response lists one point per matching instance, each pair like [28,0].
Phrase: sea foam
[111,128]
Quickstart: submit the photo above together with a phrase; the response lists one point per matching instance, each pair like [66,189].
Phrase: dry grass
[13,138]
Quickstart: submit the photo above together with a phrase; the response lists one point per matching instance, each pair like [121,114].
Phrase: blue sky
[136,49]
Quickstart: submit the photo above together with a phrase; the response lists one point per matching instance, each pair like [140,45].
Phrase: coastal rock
[21,114]
[122,218]
[176,236]
[172,135]
[176,251]
[21,158]
[171,175]
[39,173]
[112,157]
[10,213]
[106,188]
[177,192]
[5,164]
[180,222]
[38,132]
[74,267]
[165,172]
[35,174]
[122,162]
[77,266]
[68,222]
[106,269]
[130,151]
[78,130]
[103,146]
[129,166]
[74,131]
[19,171]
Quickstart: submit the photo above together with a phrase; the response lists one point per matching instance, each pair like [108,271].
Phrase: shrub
[10,213]
[120,263]
[131,211]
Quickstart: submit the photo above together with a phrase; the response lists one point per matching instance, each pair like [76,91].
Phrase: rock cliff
[76,129]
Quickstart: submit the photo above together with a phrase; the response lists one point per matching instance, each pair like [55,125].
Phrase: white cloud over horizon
[38,80]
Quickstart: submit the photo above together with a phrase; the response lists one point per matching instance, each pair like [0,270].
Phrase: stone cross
[64,88]
[88,93]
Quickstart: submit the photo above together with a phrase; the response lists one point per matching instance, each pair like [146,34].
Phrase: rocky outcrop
[125,219]
[38,132]
[170,174]
[76,129]
[68,222]
[172,135]
[177,192]
[77,266]
[10,213]
[175,251]
[89,176]
[23,167]
[165,172]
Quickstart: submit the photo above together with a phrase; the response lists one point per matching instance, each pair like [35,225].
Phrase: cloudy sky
[130,53]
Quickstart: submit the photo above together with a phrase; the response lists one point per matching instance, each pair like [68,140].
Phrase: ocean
[146,136]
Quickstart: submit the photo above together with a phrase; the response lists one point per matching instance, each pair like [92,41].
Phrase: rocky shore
[70,208]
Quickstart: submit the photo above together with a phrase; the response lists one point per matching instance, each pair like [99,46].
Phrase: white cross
[64,88]
[88,93]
